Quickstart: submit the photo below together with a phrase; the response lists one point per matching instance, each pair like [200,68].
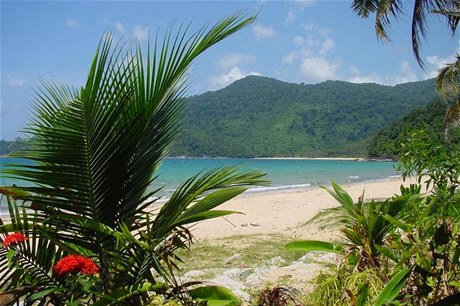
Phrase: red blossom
[13,239]
[75,264]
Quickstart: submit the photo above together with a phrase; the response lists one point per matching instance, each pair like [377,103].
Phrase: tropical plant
[94,154]
[447,82]
[368,262]
[364,229]
[277,296]
[428,229]
[386,9]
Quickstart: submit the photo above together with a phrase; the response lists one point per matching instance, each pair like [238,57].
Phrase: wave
[274,188]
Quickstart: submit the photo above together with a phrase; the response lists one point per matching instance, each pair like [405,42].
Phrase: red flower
[75,264]
[13,239]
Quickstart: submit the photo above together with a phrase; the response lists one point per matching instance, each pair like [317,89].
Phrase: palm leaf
[392,288]
[314,245]
[34,258]
[96,150]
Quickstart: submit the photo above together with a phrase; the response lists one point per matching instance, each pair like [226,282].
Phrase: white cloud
[299,5]
[72,23]
[291,16]
[434,63]
[14,81]
[326,46]
[304,3]
[119,27]
[235,59]
[289,58]
[406,74]
[314,28]
[141,32]
[317,69]
[262,32]
[357,77]
[223,80]
[310,54]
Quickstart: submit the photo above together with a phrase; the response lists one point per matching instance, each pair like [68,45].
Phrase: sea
[282,173]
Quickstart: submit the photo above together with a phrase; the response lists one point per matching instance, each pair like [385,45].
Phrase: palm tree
[449,76]
[95,153]
[385,9]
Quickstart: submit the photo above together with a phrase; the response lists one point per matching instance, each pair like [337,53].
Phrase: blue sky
[293,41]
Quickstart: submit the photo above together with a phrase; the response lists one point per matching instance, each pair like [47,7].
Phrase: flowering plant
[13,239]
[75,264]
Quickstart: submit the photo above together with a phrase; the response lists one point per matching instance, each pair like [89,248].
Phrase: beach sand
[285,212]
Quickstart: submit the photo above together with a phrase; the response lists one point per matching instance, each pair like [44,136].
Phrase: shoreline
[285,212]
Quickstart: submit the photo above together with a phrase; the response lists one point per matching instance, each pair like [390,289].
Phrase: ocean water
[283,173]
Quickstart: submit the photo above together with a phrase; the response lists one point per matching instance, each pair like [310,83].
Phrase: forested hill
[259,116]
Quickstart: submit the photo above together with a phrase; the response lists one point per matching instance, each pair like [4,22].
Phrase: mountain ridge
[264,117]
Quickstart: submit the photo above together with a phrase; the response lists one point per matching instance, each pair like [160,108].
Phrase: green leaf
[399,224]
[392,289]
[14,192]
[314,245]
[387,252]
[10,256]
[215,296]
[204,216]
[363,293]
[121,294]
[454,283]
[44,293]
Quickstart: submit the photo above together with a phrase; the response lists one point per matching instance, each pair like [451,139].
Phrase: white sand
[283,212]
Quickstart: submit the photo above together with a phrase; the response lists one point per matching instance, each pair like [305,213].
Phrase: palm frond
[28,264]
[97,149]
[385,11]
[448,80]
[364,8]
[451,119]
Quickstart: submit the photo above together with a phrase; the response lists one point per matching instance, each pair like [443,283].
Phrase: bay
[282,173]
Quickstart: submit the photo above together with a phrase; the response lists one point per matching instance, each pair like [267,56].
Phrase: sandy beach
[284,212]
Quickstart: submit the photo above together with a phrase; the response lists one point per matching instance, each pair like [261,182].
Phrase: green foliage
[387,142]
[95,151]
[215,296]
[259,116]
[392,288]
[430,243]
[343,286]
[314,245]
[411,236]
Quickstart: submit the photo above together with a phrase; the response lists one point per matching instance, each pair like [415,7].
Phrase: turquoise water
[283,173]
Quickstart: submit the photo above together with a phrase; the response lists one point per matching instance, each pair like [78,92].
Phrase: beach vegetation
[411,237]
[94,232]
[417,245]
[277,296]
[387,142]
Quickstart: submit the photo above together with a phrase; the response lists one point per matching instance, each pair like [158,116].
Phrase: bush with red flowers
[13,239]
[75,264]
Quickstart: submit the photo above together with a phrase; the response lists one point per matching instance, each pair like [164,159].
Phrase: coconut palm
[96,151]
[386,9]
[449,76]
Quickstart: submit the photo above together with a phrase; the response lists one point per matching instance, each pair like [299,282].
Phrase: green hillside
[258,116]
[386,142]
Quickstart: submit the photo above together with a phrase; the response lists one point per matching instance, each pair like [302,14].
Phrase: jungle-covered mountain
[264,117]
[386,143]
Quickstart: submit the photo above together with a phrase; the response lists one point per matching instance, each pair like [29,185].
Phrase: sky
[293,41]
